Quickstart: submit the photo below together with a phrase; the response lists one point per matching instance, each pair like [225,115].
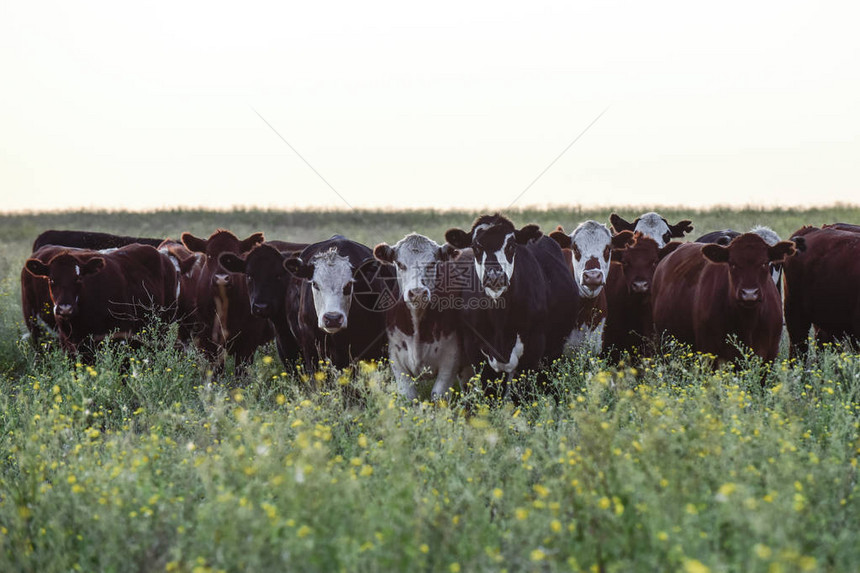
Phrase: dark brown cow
[273,292]
[96,293]
[224,323]
[188,267]
[89,240]
[629,325]
[703,294]
[822,286]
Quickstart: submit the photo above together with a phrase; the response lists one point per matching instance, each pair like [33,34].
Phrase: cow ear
[619,224]
[668,248]
[251,242]
[448,252]
[232,262]
[186,264]
[528,233]
[297,267]
[37,268]
[384,253]
[560,237]
[622,239]
[799,244]
[193,243]
[459,238]
[716,253]
[680,228]
[92,266]
[780,250]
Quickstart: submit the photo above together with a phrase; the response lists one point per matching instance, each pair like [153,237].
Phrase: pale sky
[447,104]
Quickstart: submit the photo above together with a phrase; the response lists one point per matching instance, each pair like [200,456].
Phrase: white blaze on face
[416,257]
[507,266]
[654,226]
[591,241]
[331,286]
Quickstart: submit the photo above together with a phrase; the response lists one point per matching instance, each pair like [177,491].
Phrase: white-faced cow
[424,340]
[95,294]
[652,225]
[523,301]
[703,294]
[273,292]
[339,316]
[224,323]
[587,251]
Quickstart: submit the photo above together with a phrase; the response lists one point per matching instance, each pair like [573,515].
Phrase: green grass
[143,462]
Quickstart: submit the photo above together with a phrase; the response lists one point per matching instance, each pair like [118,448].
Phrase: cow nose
[64,310]
[640,286]
[592,278]
[221,279]
[750,295]
[418,294]
[333,320]
[260,309]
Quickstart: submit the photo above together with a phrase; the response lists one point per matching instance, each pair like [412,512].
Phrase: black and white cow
[652,225]
[424,340]
[523,302]
[339,316]
[273,292]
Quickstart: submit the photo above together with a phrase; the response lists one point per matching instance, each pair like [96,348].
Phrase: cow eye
[401,266]
[347,290]
[607,252]
[315,285]
[53,282]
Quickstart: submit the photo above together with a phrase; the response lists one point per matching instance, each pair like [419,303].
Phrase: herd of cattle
[493,300]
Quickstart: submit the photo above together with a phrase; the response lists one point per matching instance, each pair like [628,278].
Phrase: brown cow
[224,323]
[188,267]
[95,293]
[705,293]
[273,293]
[822,286]
[629,325]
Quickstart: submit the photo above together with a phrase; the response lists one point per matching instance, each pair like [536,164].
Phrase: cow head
[771,238]
[652,225]
[331,276]
[748,258]
[416,260]
[65,274]
[591,246]
[494,241]
[639,257]
[266,277]
[220,241]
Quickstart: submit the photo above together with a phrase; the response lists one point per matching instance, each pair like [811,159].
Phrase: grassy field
[144,462]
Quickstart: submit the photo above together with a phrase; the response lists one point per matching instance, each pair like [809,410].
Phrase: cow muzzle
[749,296]
[64,311]
[222,280]
[495,282]
[592,283]
[640,287]
[261,309]
[416,297]
[332,322]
